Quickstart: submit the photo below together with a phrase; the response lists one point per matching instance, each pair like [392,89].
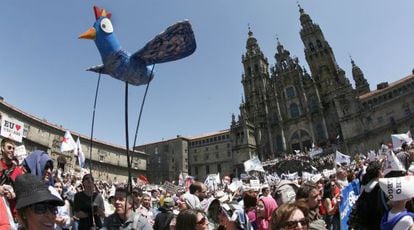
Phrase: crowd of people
[35,195]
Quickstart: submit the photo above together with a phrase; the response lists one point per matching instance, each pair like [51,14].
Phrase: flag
[372,156]
[315,151]
[399,139]
[253,164]
[68,144]
[79,153]
[181,179]
[392,163]
[142,180]
[342,158]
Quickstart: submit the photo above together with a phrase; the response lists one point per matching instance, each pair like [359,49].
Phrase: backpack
[389,225]
[367,210]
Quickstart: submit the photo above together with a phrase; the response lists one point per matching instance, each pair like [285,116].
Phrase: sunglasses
[203,221]
[9,147]
[294,223]
[42,208]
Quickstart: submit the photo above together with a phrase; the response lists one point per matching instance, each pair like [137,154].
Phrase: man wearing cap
[163,219]
[36,205]
[124,217]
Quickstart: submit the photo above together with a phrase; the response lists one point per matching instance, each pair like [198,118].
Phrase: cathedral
[287,108]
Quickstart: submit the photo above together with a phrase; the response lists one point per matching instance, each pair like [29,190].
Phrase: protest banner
[11,128]
[349,196]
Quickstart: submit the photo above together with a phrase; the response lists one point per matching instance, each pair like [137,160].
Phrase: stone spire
[361,83]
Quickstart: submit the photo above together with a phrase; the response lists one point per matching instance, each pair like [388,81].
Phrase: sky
[42,61]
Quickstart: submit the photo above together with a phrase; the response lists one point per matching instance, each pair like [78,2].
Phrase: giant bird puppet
[174,43]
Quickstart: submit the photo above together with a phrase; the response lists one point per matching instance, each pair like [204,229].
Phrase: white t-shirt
[404,223]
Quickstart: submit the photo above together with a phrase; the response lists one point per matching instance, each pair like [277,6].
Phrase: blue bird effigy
[174,43]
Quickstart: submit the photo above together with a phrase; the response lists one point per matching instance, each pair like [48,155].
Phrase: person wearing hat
[164,217]
[36,205]
[124,216]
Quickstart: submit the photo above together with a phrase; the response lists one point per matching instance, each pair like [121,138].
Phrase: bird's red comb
[101,13]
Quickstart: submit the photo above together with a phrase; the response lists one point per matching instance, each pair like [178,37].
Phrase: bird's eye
[106,26]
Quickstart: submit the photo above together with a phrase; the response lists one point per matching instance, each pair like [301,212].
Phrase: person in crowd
[124,217]
[164,217]
[397,217]
[264,209]
[405,156]
[250,203]
[145,208]
[191,219]
[9,170]
[63,219]
[40,164]
[341,178]
[290,216]
[371,205]
[197,193]
[88,205]
[330,201]
[266,191]
[137,196]
[310,194]
[36,205]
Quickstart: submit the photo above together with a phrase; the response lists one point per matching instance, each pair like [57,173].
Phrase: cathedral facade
[287,108]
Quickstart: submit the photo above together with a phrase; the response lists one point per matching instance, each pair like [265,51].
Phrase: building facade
[109,162]
[290,108]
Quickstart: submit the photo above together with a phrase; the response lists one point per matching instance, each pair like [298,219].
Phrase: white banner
[20,153]
[398,188]
[11,128]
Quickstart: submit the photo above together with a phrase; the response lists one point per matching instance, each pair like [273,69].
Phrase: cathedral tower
[255,81]
[361,84]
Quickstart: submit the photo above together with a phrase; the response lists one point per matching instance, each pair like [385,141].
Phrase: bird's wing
[97,69]
[176,42]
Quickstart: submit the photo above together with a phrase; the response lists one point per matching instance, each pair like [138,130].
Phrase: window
[311,47]
[206,156]
[216,147]
[219,168]
[195,158]
[294,110]
[196,170]
[101,158]
[228,153]
[319,44]
[290,92]
[217,156]
[319,132]
[207,169]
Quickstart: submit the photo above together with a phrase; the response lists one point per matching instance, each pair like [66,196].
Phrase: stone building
[109,162]
[289,108]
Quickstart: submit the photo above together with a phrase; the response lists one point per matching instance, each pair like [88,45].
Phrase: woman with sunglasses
[191,219]
[290,216]
[36,205]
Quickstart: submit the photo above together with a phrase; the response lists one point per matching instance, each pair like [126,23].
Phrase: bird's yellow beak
[90,34]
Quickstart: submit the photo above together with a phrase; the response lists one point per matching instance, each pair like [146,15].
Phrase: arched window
[319,44]
[311,47]
[294,110]
[290,92]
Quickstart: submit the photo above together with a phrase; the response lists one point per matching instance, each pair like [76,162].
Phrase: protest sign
[11,128]
[20,153]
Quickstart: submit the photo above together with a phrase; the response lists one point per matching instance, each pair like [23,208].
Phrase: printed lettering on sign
[11,128]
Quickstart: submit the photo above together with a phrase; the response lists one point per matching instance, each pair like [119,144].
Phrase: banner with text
[11,128]
[349,196]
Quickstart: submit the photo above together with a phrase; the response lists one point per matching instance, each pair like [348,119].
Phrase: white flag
[392,163]
[253,164]
[80,154]
[399,139]
[181,179]
[68,144]
[342,158]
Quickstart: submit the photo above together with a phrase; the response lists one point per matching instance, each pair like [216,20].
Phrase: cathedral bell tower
[255,81]
[361,84]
